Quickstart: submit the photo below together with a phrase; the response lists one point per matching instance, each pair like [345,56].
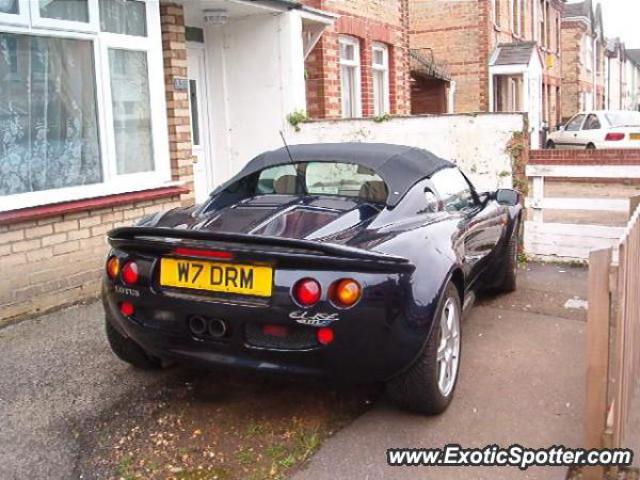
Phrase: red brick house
[114,110]
[584,46]
[486,56]
[360,66]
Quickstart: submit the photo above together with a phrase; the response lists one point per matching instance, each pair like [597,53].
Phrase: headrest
[286,185]
[374,191]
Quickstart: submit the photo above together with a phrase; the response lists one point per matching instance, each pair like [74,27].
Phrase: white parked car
[598,129]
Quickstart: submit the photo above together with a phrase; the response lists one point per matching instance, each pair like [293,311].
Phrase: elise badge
[316,320]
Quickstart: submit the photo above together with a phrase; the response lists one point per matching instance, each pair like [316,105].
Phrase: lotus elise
[349,261]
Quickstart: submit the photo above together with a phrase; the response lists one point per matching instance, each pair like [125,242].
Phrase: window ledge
[75,206]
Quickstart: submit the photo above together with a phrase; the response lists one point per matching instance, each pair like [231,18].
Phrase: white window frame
[93,25]
[112,183]
[20,18]
[356,65]
[384,67]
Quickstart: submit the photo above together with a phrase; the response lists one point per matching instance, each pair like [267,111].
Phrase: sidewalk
[522,381]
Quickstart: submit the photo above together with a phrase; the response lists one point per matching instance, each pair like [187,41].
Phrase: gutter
[288,4]
[322,16]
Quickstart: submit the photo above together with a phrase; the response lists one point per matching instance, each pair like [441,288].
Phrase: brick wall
[428,96]
[174,51]
[370,21]
[54,255]
[59,259]
[572,34]
[585,157]
[387,12]
[453,31]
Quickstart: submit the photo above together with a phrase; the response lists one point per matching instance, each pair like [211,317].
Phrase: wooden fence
[567,240]
[613,376]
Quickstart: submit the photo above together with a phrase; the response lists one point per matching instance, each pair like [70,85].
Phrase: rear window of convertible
[322,178]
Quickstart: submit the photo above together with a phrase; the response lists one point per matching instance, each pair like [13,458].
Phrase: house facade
[585,71]
[360,64]
[114,110]
[623,76]
[499,55]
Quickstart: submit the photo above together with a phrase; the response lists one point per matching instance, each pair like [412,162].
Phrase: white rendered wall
[476,142]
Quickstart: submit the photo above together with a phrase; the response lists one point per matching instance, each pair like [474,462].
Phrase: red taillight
[113,267]
[345,293]
[130,273]
[307,292]
[325,335]
[614,137]
[193,252]
[275,330]
[127,309]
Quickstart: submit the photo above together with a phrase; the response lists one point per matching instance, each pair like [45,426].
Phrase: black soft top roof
[399,166]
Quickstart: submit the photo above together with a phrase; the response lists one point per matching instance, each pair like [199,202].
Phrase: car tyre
[128,351]
[418,389]
[591,146]
[551,145]
[510,272]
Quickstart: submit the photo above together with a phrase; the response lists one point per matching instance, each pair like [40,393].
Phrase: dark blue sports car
[352,261]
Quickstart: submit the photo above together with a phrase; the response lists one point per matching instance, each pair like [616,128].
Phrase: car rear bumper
[371,344]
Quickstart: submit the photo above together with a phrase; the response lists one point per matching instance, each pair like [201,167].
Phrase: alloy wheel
[449,348]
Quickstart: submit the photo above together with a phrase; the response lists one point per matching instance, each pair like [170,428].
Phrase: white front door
[200,138]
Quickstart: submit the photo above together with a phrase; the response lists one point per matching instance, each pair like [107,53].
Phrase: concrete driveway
[57,377]
[522,380]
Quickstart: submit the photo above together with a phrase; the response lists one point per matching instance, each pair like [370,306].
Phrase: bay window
[48,114]
[380,67]
[82,111]
[350,77]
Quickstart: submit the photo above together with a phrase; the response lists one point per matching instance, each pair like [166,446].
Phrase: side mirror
[508,197]
[560,127]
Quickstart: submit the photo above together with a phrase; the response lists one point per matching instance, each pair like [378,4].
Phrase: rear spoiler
[165,240]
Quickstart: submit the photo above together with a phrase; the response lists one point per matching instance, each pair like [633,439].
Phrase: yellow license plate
[635,136]
[216,277]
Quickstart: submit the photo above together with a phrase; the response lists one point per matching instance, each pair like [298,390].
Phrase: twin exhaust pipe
[212,327]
